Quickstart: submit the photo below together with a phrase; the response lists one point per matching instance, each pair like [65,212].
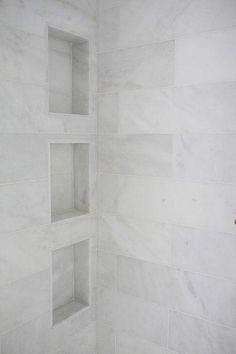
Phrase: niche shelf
[70,280]
[69,180]
[68,72]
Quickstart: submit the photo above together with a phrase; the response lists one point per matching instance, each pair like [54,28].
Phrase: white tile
[64,15]
[85,341]
[23,253]
[135,237]
[127,344]
[24,300]
[205,252]
[188,334]
[137,22]
[22,107]
[206,58]
[23,56]
[18,160]
[190,204]
[107,270]
[106,339]
[200,108]
[130,314]
[30,338]
[139,154]
[202,296]
[23,205]
[205,157]
[136,68]
[26,15]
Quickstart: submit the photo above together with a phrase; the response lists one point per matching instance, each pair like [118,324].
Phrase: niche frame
[91,180]
[91,73]
[68,310]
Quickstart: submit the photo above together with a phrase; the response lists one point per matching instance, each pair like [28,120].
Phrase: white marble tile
[23,205]
[137,22]
[15,13]
[23,56]
[30,338]
[206,58]
[205,297]
[18,160]
[23,253]
[206,252]
[127,344]
[22,107]
[188,334]
[85,341]
[200,108]
[192,153]
[24,300]
[202,205]
[130,314]
[135,237]
[139,154]
[106,339]
[69,17]
[107,270]
[136,68]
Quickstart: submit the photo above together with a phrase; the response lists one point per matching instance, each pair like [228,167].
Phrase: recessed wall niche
[68,71]
[70,280]
[69,177]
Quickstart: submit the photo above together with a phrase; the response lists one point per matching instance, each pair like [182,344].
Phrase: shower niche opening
[68,73]
[69,180]
[70,280]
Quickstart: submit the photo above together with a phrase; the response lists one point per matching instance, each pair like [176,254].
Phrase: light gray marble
[135,237]
[23,205]
[135,316]
[139,155]
[206,58]
[188,334]
[107,270]
[135,22]
[159,199]
[85,341]
[200,108]
[136,68]
[203,296]
[21,54]
[127,344]
[24,300]
[106,339]
[32,337]
[15,13]
[192,153]
[21,151]
[206,252]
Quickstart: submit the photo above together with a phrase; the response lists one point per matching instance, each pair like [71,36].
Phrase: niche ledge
[69,180]
[71,283]
[68,73]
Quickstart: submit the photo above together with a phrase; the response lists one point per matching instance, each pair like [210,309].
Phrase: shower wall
[167,173]
[28,239]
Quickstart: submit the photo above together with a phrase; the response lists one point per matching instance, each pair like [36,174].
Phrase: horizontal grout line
[145,301]
[165,265]
[24,181]
[160,221]
[176,37]
[169,179]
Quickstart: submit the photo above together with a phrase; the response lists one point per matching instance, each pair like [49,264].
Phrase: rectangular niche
[70,280]
[68,71]
[69,175]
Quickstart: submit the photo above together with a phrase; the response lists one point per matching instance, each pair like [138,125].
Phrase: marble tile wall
[27,237]
[166,125]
